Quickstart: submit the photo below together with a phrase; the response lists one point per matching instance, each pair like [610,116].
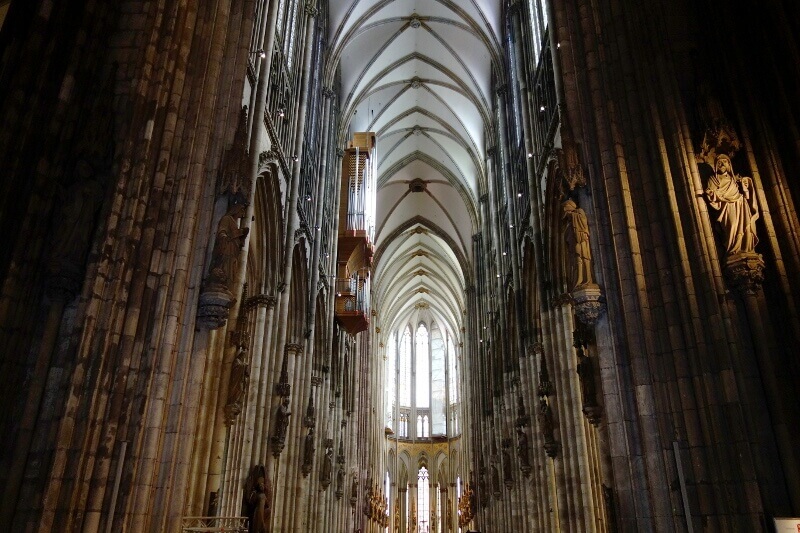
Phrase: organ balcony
[356,232]
[352,302]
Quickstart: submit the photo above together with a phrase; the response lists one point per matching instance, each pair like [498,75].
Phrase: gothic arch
[555,260]
[266,242]
[297,295]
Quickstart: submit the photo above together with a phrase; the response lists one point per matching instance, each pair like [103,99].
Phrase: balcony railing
[214,524]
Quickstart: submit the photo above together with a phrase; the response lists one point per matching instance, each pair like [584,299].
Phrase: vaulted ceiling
[417,73]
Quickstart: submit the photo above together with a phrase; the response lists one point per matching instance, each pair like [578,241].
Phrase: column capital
[293,348]
[311,9]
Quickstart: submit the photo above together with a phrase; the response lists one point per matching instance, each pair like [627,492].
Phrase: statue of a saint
[259,501]
[354,491]
[522,448]
[282,419]
[339,482]
[237,387]
[227,246]
[308,452]
[733,196]
[327,468]
[576,234]
[545,419]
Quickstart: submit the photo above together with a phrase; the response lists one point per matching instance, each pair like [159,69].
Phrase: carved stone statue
[522,451]
[227,247]
[354,491]
[259,498]
[397,514]
[339,482]
[545,417]
[576,234]
[327,468]
[308,452]
[240,372]
[281,424]
[733,196]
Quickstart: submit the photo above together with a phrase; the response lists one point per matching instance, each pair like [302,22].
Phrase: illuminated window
[438,411]
[391,380]
[405,369]
[421,381]
[423,501]
[422,368]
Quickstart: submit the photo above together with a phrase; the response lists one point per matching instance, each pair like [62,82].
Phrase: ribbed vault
[417,73]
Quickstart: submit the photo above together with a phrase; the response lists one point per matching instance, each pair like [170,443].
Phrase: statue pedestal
[745,272]
[588,302]
[214,307]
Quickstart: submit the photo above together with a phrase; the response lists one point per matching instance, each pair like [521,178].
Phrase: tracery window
[420,393]
[405,369]
[423,395]
[391,358]
[423,500]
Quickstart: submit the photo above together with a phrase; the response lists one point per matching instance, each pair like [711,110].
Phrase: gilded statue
[733,197]
[576,234]
[397,514]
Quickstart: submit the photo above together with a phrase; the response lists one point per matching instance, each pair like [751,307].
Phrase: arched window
[423,366]
[391,380]
[438,385]
[405,369]
[452,385]
[421,382]
[423,501]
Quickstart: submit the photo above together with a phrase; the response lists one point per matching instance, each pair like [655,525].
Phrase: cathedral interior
[401,266]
